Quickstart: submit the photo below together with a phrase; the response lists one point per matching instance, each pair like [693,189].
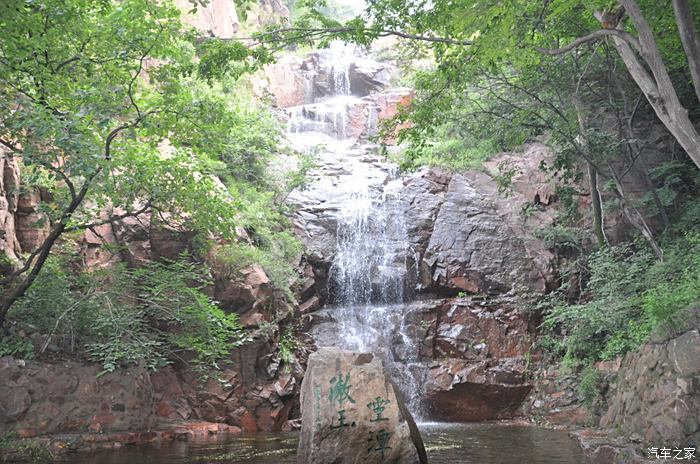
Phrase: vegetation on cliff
[116,110]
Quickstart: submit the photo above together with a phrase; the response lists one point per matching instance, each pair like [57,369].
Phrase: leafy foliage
[151,315]
[125,109]
[589,388]
[288,344]
[628,294]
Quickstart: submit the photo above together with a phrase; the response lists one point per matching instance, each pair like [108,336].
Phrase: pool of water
[481,443]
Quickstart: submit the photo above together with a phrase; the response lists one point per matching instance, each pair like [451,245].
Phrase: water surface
[481,443]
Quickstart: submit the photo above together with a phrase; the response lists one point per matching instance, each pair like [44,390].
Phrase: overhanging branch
[276,35]
[593,37]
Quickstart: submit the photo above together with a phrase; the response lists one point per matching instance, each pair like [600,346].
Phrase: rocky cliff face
[252,392]
[216,18]
[23,227]
[9,197]
[462,239]
[461,251]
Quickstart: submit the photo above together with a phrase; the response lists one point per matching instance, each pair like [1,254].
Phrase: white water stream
[369,276]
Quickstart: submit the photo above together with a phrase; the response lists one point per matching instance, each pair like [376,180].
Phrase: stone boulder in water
[351,413]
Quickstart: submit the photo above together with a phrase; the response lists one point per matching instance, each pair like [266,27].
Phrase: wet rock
[368,76]
[600,448]
[463,391]
[351,413]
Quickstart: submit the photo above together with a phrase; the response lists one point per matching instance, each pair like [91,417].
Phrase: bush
[287,346]
[151,316]
[629,294]
[448,146]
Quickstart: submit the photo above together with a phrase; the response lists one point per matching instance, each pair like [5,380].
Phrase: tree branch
[593,37]
[320,32]
[115,218]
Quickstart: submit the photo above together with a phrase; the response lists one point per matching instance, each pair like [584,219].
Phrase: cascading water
[370,280]
[369,276]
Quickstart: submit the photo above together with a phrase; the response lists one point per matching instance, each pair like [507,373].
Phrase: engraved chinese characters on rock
[379,441]
[377,406]
[339,395]
[351,414]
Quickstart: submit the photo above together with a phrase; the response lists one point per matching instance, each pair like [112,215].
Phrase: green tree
[105,100]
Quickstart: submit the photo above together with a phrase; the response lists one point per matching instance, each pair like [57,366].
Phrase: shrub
[150,315]
[629,294]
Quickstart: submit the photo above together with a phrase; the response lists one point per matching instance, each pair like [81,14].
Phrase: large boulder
[351,413]
[466,391]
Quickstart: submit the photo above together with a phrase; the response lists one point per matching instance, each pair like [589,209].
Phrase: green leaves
[120,317]
[219,59]
[629,294]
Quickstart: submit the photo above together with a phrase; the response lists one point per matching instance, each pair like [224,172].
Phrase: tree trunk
[596,203]
[597,206]
[657,87]
[634,217]
[16,290]
[690,40]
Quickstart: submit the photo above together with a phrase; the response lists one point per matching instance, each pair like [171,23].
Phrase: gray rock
[351,413]
[473,248]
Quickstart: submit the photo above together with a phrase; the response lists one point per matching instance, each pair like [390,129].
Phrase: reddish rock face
[286,81]
[216,18]
[27,229]
[462,391]
[68,397]
[245,294]
[472,331]
[9,183]
[472,402]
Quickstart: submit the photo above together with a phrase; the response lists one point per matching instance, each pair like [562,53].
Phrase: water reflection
[446,444]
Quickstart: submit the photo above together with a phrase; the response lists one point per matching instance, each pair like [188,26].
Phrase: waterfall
[369,277]
[339,59]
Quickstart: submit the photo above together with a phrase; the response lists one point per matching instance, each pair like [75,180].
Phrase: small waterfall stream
[373,268]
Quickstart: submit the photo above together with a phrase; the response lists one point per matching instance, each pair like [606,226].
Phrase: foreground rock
[351,414]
